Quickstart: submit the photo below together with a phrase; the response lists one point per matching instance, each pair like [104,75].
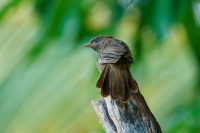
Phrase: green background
[47,80]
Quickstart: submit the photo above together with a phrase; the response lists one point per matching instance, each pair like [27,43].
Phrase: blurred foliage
[47,79]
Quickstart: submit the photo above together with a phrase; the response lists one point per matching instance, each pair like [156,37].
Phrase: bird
[113,62]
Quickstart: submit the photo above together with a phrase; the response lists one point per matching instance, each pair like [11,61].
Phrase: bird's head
[97,42]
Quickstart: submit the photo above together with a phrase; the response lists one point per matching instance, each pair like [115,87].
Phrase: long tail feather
[116,80]
[103,81]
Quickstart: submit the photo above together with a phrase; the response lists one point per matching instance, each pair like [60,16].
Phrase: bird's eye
[91,41]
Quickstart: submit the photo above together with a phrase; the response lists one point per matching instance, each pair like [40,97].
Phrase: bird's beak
[88,45]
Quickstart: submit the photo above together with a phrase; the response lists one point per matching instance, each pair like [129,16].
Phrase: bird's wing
[112,52]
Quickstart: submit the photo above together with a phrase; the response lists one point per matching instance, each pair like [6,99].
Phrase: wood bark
[136,118]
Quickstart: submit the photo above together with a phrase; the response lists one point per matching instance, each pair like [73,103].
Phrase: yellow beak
[88,45]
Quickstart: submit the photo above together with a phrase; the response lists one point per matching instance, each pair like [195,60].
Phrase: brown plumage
[113,61]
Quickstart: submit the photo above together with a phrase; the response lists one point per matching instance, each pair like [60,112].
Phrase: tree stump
[136,118]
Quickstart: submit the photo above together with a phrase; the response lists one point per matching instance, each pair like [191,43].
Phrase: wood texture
[137,118]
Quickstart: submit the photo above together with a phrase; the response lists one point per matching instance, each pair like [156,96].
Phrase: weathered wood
[136,118]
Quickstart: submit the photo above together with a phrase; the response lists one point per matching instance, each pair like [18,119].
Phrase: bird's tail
[116,80]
